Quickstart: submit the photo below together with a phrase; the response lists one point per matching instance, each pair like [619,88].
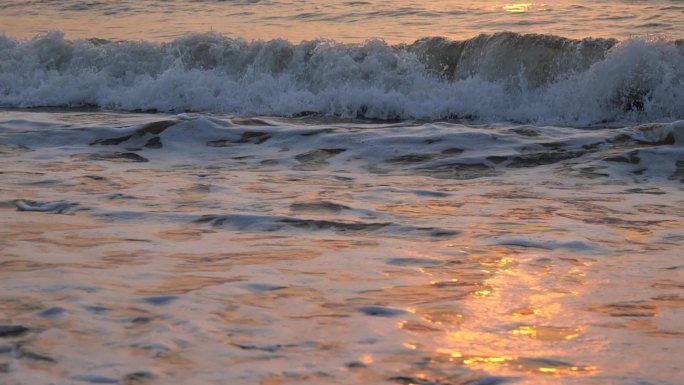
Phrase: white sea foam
[529,78]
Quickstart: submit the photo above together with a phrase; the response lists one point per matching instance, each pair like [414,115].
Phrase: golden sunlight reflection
[523,7]
[521,297]
[547,333]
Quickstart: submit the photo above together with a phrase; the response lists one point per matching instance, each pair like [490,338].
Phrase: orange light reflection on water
[523,7]
[515,319]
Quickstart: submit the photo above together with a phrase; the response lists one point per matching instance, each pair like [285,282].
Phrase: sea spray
[505,76]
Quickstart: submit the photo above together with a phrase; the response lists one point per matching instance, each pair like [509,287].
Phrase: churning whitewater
[505,76]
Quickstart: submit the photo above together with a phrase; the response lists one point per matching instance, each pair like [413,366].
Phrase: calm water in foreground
[409,202]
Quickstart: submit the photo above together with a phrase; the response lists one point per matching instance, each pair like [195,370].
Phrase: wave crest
[503,76]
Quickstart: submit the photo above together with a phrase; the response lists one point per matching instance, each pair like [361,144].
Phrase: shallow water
[211,249]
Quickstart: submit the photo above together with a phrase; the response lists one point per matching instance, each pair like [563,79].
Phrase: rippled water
[223,250]
[342,20]
[415,196]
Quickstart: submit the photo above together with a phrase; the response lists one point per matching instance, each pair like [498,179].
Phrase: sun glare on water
[523,7]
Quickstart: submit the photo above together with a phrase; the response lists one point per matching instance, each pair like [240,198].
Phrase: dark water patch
[219,143]
[307,114]
[44,183]
[451,379]
[160,300]
[209,219]
[317,158]
[415,158]
[605,220]
[96,309]
[322,206]
[668,284]
[424,262]
[125,157]
[545,245]
[59,207]
[380,311]
[412,158]
[452,151]
[497,159]
[52,312]
[591,172]
[490,381]
[526,131]
[6,349]
[356,365]
[461,171]
[441,232]
[673,300]
[679,171]
[428,193]
[254,137]
[313,224]
[137,378]
[154,143]
[11,331]
[627,309]
[262,287]
[26,355]
[557,145]
[112,141]
[407,380]
[319,132]
[96,379]
[141,320]
[630,157]
[153,347]
[278,223]
[154,128]
[649,191]
[115,196]
[264,348]
[543,158]
[457,284]
[20,352]
[250,122]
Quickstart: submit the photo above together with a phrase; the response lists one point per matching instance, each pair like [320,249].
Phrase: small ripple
[160,300]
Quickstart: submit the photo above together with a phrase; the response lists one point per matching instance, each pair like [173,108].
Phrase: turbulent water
[348,192]
[505,76]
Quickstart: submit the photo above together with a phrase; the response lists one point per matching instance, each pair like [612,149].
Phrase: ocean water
[341,192]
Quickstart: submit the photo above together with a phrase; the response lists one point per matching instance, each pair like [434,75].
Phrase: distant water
[341,192]
[341,20]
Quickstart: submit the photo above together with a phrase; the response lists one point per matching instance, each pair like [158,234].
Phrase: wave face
[503,76]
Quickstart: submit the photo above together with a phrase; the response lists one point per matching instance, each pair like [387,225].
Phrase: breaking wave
[503,76]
